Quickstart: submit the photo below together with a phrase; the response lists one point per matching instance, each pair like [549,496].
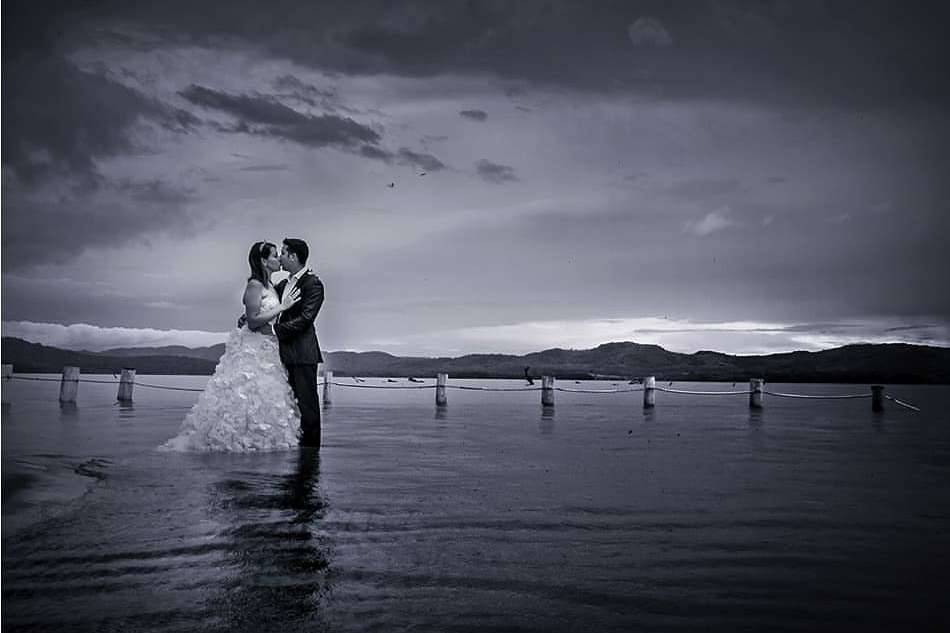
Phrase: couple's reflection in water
[278,559]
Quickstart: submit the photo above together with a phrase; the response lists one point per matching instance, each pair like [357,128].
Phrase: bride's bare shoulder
[254,288]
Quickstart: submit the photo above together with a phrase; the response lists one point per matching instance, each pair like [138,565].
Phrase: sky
[746,177]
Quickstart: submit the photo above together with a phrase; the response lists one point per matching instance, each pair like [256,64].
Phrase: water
[491,514]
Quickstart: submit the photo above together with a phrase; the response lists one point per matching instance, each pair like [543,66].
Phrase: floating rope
[143,384]
[569,390]
[703,393]
[903,404]
[347,384]
[472,388]
[101,382]
[798,395]
[467,388]
[106,382]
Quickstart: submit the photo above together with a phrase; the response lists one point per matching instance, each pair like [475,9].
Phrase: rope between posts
[569,390]
[101,382]
[142,384]
[703,393]
[796,395]
[472,388]
[903,404]
[466,388]
[463,387]
[346,384]
[105,382]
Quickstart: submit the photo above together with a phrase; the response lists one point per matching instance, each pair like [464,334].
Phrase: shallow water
[491,514]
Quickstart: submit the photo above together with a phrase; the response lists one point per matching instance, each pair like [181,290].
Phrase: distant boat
[391,380]
[411,379]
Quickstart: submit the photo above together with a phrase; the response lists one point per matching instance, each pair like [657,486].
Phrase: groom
[299,348]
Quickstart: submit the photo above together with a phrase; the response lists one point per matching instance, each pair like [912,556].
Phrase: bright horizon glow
[682,336]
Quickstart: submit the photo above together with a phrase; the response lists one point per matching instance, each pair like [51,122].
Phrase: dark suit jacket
[295,329]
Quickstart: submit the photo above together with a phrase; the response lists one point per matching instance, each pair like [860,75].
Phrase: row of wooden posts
[69,389]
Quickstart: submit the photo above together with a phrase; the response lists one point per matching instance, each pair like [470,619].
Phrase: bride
[248,404]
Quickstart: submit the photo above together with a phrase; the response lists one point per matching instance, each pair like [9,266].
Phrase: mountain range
[863,363]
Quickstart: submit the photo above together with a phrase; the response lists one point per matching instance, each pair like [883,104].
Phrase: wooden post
[877,398]
[126,383]
[649,392]
[69,385]
[327,379]
[547,391]
[755,393]
[440,381]
[7,382]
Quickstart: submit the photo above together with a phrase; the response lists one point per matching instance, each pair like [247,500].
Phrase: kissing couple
[263,394]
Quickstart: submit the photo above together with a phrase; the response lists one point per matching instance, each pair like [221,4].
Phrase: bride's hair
[259,251]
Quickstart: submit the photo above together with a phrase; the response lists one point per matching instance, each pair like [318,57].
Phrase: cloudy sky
[747,177]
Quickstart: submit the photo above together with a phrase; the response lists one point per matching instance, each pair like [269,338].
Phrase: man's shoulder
[310,277]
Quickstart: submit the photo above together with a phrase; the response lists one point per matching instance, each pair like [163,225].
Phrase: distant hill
[34,358]
[212,353]
[891,363]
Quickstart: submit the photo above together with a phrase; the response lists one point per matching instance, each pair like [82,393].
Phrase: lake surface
[492,514]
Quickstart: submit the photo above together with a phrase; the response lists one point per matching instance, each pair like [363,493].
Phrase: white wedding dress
[248,404]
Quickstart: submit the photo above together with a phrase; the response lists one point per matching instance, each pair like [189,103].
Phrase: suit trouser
[303,381]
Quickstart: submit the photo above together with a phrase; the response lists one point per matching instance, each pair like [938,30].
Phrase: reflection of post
[440,381]
[547,391]
[755,393]
[69,385]
[327,379]
[877,398]
[7,381]
[649,392]
[126,383]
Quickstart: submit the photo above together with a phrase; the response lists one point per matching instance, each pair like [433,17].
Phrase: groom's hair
[298,248]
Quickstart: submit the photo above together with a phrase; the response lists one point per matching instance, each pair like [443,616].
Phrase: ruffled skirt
[248,404]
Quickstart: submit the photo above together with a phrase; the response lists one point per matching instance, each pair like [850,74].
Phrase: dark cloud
[809,52]
[59,123]
[376,153]
[53,224]
[265,116]
[475,115]
[156,193]
[424,161]
[266,168]
[302,90]
[429,139]
[57,120]
[494,172]
[404,156]
[905,328]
